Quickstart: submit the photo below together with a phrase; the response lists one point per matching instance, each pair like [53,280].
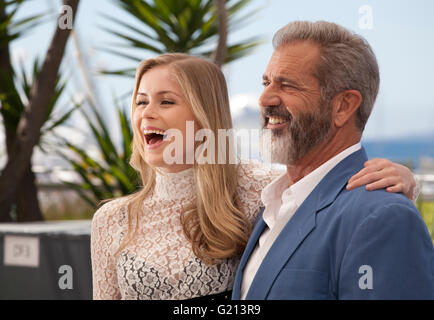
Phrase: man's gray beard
[286,146]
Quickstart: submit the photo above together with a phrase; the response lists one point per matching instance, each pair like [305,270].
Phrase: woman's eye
[142,103]
[167,102]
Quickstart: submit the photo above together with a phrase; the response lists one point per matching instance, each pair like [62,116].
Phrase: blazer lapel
[301,224]
[251,244]
[297,228]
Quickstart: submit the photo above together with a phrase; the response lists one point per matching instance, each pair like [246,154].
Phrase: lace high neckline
[175,185]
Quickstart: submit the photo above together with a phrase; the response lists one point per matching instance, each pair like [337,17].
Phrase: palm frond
[188,26]
[110,175]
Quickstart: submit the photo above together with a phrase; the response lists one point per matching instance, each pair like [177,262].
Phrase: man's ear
[345,105]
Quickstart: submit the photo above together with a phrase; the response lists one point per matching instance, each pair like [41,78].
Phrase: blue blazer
[344,244]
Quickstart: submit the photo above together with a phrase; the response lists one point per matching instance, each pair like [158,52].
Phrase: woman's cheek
[136,121]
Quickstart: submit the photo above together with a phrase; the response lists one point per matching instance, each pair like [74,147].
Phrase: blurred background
[75,143]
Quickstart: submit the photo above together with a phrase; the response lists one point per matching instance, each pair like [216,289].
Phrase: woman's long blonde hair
[215,226]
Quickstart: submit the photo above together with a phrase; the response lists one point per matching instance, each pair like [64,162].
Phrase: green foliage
[17,84]
[187,26]
[11,104]
[110,176]
[426,209]
[11,30]
[16,93]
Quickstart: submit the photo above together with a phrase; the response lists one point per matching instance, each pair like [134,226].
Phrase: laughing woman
[181,235]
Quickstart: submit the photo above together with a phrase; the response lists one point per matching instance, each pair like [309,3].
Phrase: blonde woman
[180,236]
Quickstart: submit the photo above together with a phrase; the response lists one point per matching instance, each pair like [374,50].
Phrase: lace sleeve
[106,236]
[253,176]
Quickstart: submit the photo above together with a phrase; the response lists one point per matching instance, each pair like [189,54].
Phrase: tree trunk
[27,204]
[219,54]
[32,120]
[4,50]
[5,66]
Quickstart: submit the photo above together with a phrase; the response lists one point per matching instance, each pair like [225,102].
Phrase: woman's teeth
[153,136]
[146,132]
[276,120]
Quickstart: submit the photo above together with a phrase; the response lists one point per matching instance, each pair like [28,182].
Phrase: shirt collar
[279,188]
[302,188]
[274,189]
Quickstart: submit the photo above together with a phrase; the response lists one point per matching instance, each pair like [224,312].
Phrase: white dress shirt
[281,202]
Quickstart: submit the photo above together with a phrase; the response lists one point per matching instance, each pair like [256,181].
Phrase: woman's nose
[149,112]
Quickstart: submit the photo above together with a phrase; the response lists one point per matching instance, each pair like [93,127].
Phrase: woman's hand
[382,173]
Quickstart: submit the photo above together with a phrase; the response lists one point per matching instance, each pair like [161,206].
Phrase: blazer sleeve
[390,256]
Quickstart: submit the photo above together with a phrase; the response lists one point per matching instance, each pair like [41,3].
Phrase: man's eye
[265,83]
[288,85]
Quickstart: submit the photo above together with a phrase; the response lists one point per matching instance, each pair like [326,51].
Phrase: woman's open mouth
[153,137]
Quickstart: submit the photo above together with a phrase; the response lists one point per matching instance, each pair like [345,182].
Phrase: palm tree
[219,55]
[189,26]
[26,202]
[24,123]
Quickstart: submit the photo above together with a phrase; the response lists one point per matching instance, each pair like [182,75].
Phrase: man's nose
[269,98]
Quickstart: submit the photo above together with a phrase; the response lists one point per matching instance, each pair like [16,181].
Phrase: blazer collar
[298,227]
[337,179]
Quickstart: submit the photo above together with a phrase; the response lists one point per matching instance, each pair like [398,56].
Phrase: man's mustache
[280,112]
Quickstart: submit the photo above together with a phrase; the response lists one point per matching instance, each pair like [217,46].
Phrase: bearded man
[316,238]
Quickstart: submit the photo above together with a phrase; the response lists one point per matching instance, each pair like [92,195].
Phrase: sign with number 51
[21,251]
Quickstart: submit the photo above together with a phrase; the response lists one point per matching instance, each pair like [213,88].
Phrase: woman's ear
[345,105]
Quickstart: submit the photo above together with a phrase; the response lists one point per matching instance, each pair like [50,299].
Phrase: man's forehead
[293,57]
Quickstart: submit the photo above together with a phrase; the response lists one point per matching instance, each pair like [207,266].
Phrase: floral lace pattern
[140,280]
[159,263]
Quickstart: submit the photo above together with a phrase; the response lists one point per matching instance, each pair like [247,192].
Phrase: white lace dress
[159,263]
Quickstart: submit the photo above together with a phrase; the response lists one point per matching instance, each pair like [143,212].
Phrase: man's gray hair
[347,61]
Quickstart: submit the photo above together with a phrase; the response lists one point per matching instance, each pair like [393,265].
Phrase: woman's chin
[160,164]
[155,161]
